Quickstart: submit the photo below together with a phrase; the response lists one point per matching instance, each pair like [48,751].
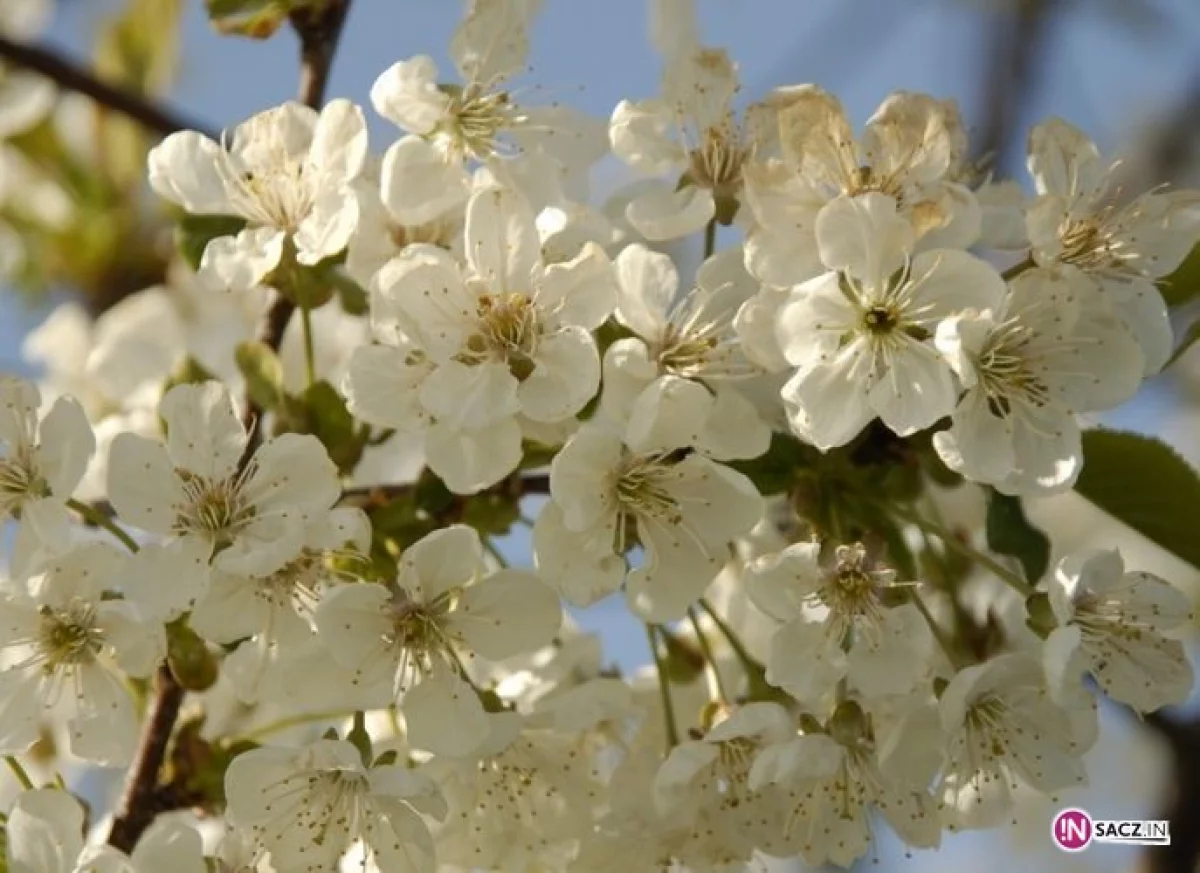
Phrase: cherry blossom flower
[413,638]
[248,520]
[866,351]
[42,460]
[65,641]
[308,806]
[1080,220]
[1112,626]
[287,171]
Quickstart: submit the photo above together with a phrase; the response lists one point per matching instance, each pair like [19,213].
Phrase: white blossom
[834,782]
[692,133]
[42,460]
[414,637]
[837,624]
[1046,354]
[62,640]
[679,337]
[517,803]
[1080,220]
[424,173]
[1003,729]
[683,508]
[464,353]
[1112,625]
[866,351]
[287,171]
[247,519]
[308,806]
[908,154]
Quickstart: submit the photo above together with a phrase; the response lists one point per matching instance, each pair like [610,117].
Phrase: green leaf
[189,371]
[1189,339]
[1184,284]
[191,663]
[776,471]
[491,512]
[360,739]
[257,19]
[330,421]
[1145,484]
[351,295]
[195,232]
[1009,532]
[684,660]
[263,372]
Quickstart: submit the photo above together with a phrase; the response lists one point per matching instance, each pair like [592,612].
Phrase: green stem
[490,548]
[1017,269]
[19,772]
[710,238]
[310,358]
[95,517]
[938,634]
[706,650]
[292,721]
[951,541]
[664,689]
[739,650]
[382,437]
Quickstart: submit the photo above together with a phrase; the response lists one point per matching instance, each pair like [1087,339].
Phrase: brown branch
[270,333]
[73,77]
[319,27]
[1017,38]
[319,30]
[375,495]
[138,806]
[1181,806]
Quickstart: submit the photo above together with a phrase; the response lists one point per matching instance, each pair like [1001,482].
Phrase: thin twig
[1017,38]
[319,28]
[270,333]
[137,808]
[380,494]
[66,74]
[670,724]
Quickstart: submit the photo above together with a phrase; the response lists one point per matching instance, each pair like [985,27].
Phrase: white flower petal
[444,716]
[509,613]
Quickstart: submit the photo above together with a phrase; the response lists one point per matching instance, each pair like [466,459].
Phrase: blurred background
[1127,71]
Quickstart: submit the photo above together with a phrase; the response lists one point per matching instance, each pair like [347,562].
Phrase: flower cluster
[303,533]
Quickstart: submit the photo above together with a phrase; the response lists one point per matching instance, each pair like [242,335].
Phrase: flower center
[276,190]
[1087,244]
[216,509]
[509,328]
[437,232]
[295,585]
[880,319]
[682,353]
[68,636]
[1009,373]
[417,626]
[864,180]
[19,481]
[642,490]
[988,728]
[717,163]
[475,121]
[322,805]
